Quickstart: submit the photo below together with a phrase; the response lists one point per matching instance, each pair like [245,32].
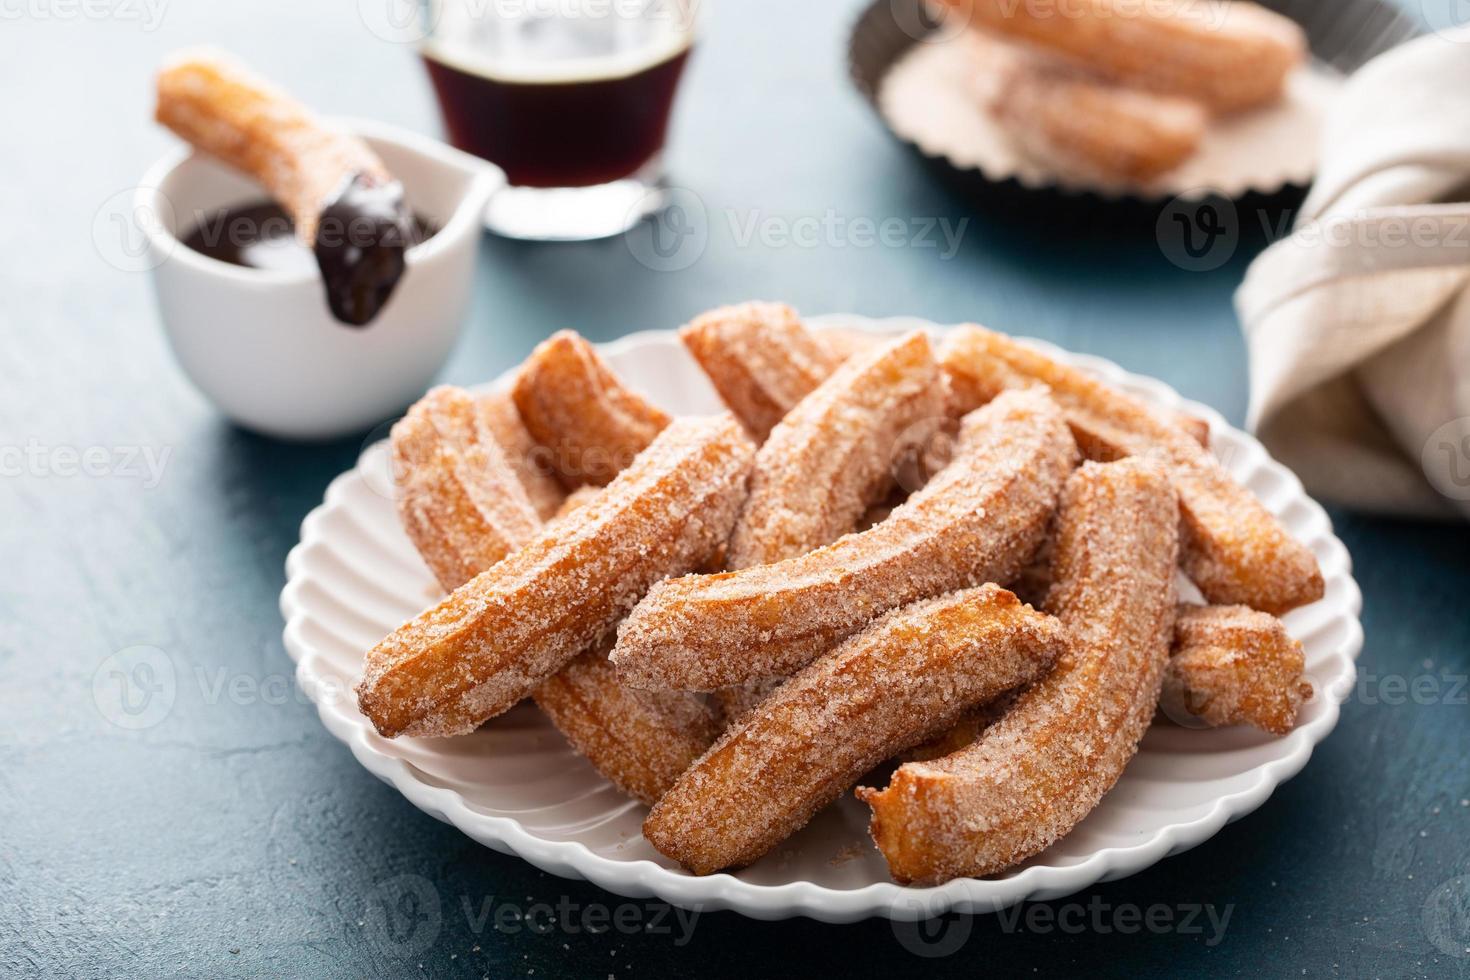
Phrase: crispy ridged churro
[1233,665]
[459,499]
[1035,773]
[1230,56]
[344,203]
[843,343]
[977,521]
[1074,124]
[833,455]
[910,672]
[499,414]
[588,421]
[760,358]
[1233,549]
[502,633]
[640,740]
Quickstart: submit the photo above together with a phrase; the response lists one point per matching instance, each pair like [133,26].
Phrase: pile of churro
[737,619]
[1123,91]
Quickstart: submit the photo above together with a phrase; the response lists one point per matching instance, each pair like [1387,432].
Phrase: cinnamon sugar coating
[1232,666]
[833,455]
[1232,547]
[588,422]
[640,740]
[1229,63]
[499,414]
[760,358]
[912,671]
[502,633]
[459,499]
[977,521]
[1035,773]
[733,702]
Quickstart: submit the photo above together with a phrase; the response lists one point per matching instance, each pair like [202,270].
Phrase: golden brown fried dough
[1233,665]
[588,421]
[833,455]
[459,499]
[914,670]
[1233,548]
[760,358]
[1035,773]
[977,521]
[499,414]
[1229,56]
[640,740]
[1075,124]
[501,634]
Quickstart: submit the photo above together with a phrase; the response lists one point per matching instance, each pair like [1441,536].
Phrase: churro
[760,359]
[498,636]
[1229,56]
[342,200]
[577,498]
[1232,547]
[459,499]
[912,671]
[842,342]
[977,521]
[1233,665]
[499,414]
[733,702]
[1035,773]
[640,740]
[1073,124]
[588,421]
[832,456]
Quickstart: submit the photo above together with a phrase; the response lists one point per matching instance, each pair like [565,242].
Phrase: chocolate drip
[361,238]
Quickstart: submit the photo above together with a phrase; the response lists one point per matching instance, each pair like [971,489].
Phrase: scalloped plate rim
[644,878]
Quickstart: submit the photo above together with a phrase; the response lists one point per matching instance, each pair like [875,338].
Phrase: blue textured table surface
[235,836]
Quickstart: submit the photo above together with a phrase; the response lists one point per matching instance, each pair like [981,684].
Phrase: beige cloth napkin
[1358,325]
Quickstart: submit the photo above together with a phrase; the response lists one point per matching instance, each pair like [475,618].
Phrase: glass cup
[571,98]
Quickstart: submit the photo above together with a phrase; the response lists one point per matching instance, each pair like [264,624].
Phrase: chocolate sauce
[362,236]
[559,134]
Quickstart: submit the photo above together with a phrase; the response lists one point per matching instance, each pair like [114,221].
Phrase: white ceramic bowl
[516,786]
[263,346]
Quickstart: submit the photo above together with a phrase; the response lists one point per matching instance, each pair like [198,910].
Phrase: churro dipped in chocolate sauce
[345,205]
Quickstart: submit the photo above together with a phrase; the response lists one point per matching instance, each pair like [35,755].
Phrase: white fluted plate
[517,787]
